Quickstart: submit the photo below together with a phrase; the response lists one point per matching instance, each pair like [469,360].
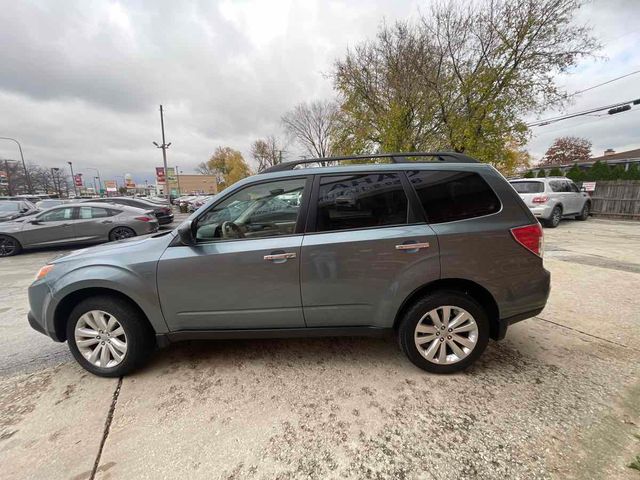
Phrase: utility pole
[6,171]
[73,179]
[178,179]
[164,147]
[24,165]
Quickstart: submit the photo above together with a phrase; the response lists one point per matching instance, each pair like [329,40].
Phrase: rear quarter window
[450,196]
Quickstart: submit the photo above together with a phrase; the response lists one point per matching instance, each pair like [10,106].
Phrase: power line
[604,83]
[548,121]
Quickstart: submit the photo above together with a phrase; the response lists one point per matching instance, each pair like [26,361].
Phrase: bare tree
[313,126]
[267,152]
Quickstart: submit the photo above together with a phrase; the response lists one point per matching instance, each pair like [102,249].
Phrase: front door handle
[412,247]
[280,257]
[106,221]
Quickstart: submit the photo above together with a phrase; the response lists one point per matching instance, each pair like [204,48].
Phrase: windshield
[9,207]
[528,187]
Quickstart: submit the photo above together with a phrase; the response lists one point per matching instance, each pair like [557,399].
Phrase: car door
[55,226]
[93,224]
[243,272]
[366,249]
[577,196]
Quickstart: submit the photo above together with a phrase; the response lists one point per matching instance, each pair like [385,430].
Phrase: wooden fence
[617,198]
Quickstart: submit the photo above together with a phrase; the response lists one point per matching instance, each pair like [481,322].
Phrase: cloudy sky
[81,80]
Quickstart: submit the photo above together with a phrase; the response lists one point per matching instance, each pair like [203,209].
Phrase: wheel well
[68,303]
[479,294]
[559,205]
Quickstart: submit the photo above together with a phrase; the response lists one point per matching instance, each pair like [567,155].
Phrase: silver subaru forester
[443,254]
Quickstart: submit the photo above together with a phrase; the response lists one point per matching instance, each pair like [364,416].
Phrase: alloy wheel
[446,335]
[8,246]
[101,339]
[121,233]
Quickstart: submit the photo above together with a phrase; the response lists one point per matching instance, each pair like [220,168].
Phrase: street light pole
[55,170]
[24,165]
[164,147]
[73,179]
[98,177]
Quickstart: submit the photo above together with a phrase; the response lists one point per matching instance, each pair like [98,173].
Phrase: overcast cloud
[81,80]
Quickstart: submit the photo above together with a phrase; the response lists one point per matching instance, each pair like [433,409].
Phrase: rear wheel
[584,214]
[120,233]
[444,332]
[108,336]
[556,216]
[9,246]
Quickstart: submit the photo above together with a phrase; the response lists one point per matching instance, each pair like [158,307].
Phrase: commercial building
[185,184]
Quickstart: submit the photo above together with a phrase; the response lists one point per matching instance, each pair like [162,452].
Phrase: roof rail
[445,157]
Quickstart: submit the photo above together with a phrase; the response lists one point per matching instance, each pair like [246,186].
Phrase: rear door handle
[411,247]
[280,257]
[106,221]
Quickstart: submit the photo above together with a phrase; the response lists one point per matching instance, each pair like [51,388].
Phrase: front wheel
[120,233]
[584,214]
[444,332]
[108,336]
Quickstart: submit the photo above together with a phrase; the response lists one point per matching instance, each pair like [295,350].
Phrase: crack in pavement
[588,334]
[107,426]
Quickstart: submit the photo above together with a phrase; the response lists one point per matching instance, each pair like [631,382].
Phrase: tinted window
[94,212]
[528,187]
[557,186]
[361,201]
[573,187]
[56,215]
[450,196]
[258,211]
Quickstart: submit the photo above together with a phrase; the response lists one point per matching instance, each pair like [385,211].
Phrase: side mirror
[185,232]
[34,221]
[582,189]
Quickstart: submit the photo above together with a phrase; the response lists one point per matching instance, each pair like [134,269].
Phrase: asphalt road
[558,398]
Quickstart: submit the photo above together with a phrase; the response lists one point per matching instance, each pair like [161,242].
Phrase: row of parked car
[53,222]
[190,203]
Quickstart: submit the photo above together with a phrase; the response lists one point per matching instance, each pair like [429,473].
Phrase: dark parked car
[163,213]
[14,209]
[445,255]
[83,223]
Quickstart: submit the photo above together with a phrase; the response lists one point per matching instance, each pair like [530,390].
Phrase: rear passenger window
[361,201]
[449,196]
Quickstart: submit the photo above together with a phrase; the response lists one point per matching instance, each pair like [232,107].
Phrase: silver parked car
[550,199]
[444,255]
[75,224]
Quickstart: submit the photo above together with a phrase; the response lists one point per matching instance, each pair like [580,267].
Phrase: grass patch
[635,464]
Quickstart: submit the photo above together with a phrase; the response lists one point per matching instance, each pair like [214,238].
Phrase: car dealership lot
[558,398]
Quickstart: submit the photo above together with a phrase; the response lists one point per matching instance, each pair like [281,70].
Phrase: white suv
[550,199]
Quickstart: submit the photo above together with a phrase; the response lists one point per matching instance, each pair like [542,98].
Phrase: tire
[9,246]
[420,315]
[137,336]
[584,214]
[120,233]
[556,216]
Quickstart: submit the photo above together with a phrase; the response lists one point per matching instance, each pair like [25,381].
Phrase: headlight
[43,271]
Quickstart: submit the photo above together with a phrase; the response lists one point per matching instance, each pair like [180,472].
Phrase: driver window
[57,215]
[258,211]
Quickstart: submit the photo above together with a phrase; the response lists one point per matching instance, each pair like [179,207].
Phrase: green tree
[529,174]
[542,173]
[460,78]
[632,173]
[555,172]
[575,173]
[617,172]
[227,165]
[598,172]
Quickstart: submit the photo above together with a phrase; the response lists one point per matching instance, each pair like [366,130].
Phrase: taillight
[530,237]
[541,199]
[144,219]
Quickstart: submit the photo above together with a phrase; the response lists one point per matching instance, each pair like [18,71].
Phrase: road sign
[589,186]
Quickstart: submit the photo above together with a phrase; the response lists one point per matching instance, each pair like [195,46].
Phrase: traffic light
[623,108]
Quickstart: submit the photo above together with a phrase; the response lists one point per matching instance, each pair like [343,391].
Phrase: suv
[443,254]
[552,198]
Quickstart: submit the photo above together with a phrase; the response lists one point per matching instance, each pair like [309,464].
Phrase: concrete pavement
[558,398]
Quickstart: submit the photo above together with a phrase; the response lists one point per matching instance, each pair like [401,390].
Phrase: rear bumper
[542,211]
[534,305]
[164,219]
[33,323]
